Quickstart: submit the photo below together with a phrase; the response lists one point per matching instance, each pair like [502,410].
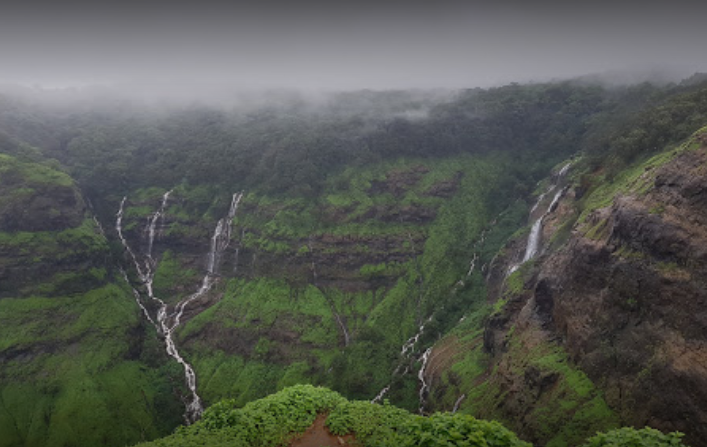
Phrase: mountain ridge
[351,264]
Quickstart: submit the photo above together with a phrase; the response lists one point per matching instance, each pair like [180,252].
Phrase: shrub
[630,437]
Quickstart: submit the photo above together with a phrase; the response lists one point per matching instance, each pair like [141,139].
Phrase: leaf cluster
[631,437]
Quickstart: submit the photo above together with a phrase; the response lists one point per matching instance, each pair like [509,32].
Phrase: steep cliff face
[42,215]
[76,360]
[355,247]
[628,296]
[607,326]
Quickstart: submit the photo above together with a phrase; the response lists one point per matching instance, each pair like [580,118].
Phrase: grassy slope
[270,331]
[70,340]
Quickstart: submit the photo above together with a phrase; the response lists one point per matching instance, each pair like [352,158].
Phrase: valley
[531,254]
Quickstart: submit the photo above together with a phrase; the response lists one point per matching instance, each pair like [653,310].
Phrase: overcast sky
[345,44]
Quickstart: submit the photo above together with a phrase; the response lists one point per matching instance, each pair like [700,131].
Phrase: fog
[205,48]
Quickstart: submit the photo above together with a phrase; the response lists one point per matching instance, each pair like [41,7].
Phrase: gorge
[532,254]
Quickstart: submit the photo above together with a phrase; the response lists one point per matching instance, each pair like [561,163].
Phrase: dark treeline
[291,145]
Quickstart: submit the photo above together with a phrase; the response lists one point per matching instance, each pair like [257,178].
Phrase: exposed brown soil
[319,436]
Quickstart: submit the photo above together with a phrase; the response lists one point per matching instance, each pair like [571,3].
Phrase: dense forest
[371,242]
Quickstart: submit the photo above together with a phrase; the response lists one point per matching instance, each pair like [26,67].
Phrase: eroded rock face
[49,243]
[38,207]
[631,302]
[625,297]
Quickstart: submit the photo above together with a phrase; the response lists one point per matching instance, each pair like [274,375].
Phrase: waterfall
[219,242]
[380,395]
[564,170]
[456,404]
[332,305]
[342,325]
[146,272]
[410,343]
[540,199]
[119,230]
[421,377]
[405,352]
[478,245]
[100,227]
[222,235]
[534,238]
[138,300]
[152,222]
[472,264]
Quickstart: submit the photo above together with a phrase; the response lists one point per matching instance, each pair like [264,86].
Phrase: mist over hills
[345,46]
[235,223]
[531,253]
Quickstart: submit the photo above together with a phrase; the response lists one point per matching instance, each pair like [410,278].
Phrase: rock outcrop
[630,302]
[625,297]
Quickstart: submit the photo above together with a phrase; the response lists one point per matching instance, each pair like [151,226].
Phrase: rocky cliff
[627,296]
[384,259]
[607,326]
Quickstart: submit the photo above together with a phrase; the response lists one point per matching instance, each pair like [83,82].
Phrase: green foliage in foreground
[265,422]
[276,419]
[272,421]
[376,425]
[630,437]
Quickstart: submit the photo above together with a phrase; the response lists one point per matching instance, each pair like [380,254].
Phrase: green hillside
[371,253]
[76,357]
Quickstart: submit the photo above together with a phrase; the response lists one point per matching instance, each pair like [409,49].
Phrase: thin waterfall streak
[405,352]
[100,227]
[555,199]
[219,242]
[338,319]
[222,235]
[380,395]
[533,240]
[540,199]
[533,244]
[456,404]
[119,229]
[421,377]
[136,294]
[194,409]
[152,223]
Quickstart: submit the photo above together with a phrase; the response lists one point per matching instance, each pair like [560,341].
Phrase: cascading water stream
[405,352]
[332,305]
[219,243]
[380,395]
[421,377]
[533,245]
[408,347]
[458,402]
[136,294]
[152,223]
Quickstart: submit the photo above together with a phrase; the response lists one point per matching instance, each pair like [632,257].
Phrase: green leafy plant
[631,437]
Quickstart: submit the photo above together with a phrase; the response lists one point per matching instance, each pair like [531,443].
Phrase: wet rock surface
[631,304]
[628,302]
